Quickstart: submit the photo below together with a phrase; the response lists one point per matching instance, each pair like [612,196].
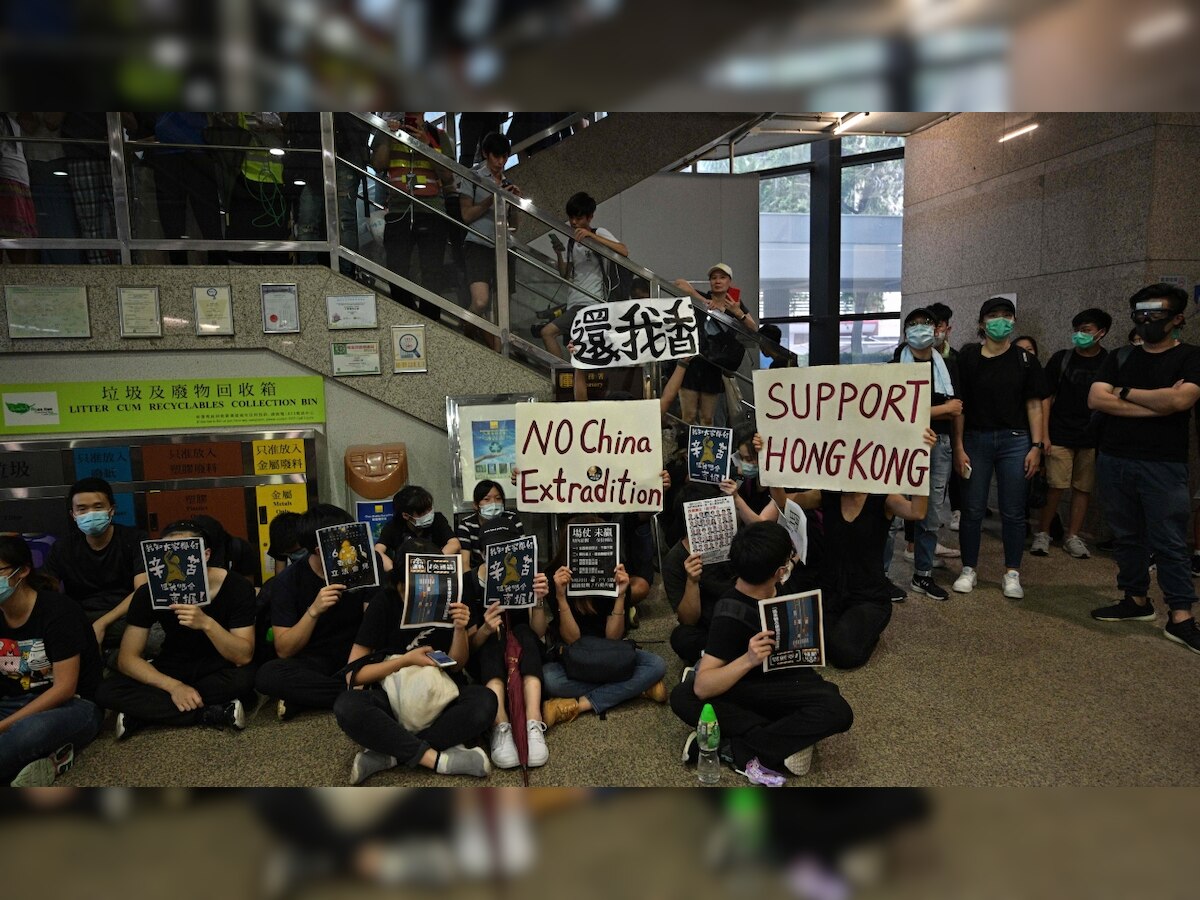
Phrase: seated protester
[693,590]
[490,522]
[413,519]
[855,591]
[366,715]
[639,553]
[598,617]
[99,562]
[49,669]
[229,551]
[745,470]
[313,625]
[773,719]
[203,674]
[487,665]
[285,546]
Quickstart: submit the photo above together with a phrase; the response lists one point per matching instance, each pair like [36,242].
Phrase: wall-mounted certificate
[213,308]
[351,311]
[139,312]
[280,309]
[355,358]
[47,311]
[408,348]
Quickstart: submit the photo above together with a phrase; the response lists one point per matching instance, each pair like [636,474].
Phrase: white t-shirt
[12,159]
[485,224]
[587,268]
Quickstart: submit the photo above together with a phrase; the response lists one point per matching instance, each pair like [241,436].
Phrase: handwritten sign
[709,453]
[845,428]
[175,572]
[511,568]
[632,332]
[602,456]
[799,631]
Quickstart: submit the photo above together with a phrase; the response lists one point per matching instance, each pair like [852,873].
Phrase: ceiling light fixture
[843,124]
[1024,129]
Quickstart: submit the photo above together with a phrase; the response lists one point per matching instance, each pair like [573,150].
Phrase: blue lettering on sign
[109,463]
[124,513]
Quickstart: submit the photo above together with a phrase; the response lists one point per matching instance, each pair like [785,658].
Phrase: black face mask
[1153,332]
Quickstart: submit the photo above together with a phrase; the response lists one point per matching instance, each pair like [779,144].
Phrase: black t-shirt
[715,581]
[994,389]
[295,589]
[396,533]
[940,426]
[1162,438]
[475,533]
[56,630]
[852,570]
[97,579]
[381,629]
[735,621]
[231,608]
[1069,378]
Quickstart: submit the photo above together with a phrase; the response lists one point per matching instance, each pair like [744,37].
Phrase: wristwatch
[1039,445]
[1123,393]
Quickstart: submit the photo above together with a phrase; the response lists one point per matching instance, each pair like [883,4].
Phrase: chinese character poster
[511,568]
[592,556]
[175,572]
[431,583]
[709,453]
[799,631]
[348,555]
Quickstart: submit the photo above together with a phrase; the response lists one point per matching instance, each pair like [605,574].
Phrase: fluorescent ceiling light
[299,182]
[276,151]
[1024,129]
[847,123]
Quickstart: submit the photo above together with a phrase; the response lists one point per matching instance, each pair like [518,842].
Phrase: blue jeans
[75,722]
[648,671]
[925,545]
[1002,452]
[310,212]
[1147,506]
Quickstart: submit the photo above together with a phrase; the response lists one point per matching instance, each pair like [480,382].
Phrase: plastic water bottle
[708,739]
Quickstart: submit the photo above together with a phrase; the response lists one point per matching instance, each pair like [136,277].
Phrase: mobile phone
[442,659]
[967,471]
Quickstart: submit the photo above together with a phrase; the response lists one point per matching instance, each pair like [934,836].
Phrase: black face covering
[1153,332]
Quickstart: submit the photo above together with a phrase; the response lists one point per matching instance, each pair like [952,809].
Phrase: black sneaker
[898,594]
[126,725]
[1185,632]
[1125,611]
[1196,565]
[924,584]
[231,715]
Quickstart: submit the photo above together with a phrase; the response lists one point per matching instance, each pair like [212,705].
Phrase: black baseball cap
[994,303]
[920,311]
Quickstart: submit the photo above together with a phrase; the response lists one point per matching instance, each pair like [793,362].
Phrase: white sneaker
[1012,585]
[948,552]
[538,752]
[1076,547]
[955,518]
[504,748]
[1040,545]
[965,583]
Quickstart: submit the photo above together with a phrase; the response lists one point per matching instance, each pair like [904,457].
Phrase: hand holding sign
[760,647]
[326,599]
[190,616]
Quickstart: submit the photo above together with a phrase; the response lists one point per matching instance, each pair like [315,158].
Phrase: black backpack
[618,280]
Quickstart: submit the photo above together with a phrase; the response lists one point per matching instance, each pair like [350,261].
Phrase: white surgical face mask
[424,521]
[491,510]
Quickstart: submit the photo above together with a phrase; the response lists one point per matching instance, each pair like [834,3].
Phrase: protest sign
[431,583]
[711,525]
[347,555]
[709,453]
[845,428]
[793,519]
[592,558]
[799,630]
[600,456]
[632,332]
[175,572]
[511,568]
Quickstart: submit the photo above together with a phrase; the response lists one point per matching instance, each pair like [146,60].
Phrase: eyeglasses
[1152,315]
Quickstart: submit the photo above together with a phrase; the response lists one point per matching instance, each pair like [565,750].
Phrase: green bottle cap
[707,714]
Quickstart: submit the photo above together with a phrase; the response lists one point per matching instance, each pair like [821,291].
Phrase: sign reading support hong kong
[845,428]
[632,332]
[602,456]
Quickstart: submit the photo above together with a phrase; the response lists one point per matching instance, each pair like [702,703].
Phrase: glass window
[872,229]
[707,166]
[784,235]
[853,144]
[773,159]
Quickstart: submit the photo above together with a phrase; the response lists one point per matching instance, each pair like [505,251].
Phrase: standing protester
[1072,443]
[942,314]
[1146,394]
[1000,431]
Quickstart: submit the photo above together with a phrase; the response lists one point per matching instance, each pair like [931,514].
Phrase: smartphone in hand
[442,659]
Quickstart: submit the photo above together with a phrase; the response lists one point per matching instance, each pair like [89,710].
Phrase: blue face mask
[424,521]
[298,555]
[749,470]
[491,510]
[7,588]
[93,523]
[919,337]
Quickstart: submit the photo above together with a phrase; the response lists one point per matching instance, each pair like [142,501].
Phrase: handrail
[548,131]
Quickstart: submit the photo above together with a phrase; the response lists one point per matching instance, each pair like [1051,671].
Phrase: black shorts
[480,263]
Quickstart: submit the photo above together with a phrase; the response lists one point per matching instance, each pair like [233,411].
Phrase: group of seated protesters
[330,649]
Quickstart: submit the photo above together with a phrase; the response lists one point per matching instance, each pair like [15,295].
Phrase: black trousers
[771,717]
[180,179]
[488,662]
[217,686]
[366,717]
[689,641]
[853,628]
[303,682]
[426,234]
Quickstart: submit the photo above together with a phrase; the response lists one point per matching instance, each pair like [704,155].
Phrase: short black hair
[581,204]
[1027,337]
[639,288]
[941,312]
[1093,316]
[282,533]
[495,144]
[483,488]
[90,486]
[1177,296]
[758,550]
[771,332]
[191,526]
[412,499]
[320,516]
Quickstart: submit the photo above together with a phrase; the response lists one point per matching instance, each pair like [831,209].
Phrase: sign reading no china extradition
[603,456]
[845,428]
